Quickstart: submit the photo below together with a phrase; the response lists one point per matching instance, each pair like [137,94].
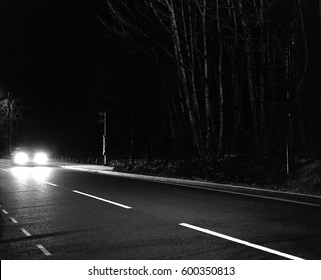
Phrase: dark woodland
[179,79]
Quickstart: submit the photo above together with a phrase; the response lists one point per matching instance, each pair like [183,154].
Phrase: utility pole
[103,114]
[105,138]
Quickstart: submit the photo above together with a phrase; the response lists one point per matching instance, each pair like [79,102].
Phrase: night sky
[58,59]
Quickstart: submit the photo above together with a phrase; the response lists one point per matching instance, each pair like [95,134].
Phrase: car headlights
[40,158]
[21,158]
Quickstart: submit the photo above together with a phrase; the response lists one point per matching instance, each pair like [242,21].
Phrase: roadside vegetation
[242,169]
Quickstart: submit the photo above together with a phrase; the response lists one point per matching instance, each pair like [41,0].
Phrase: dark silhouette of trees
[10,116]
[225,67]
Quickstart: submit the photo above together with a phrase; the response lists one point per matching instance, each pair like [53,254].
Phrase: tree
[223,65]
[10,116]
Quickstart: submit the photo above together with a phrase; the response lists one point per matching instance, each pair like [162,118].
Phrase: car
[26,156]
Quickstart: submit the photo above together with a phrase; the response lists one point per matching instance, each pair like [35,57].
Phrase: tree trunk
[235,86]
[249,72]
[320,22]
[220,84]
[262,76]
[189,42]
[272,83]
[182,75]
[306,53]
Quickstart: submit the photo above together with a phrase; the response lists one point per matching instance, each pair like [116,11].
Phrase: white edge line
[44,250]
[259,247]
[5,212]
[209,188]
[76,168]
[25,232]
[6,170]
[102,199]
[251,195]
[14,220]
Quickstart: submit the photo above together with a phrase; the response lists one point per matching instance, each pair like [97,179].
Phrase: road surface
[56,213]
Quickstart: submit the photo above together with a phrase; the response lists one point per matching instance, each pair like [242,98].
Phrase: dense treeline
[224,75]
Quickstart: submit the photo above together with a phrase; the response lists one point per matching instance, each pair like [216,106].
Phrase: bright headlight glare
[40,158]
[21,158]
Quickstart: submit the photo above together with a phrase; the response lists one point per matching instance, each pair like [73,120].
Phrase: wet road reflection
[23,173]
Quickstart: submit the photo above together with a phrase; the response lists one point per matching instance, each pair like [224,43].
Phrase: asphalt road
[56,213]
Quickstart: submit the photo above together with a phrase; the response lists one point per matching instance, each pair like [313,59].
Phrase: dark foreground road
[56,213]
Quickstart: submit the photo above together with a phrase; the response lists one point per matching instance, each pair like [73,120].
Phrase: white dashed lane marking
[5,212]
[102,199]
[26,233]
[6,170]
[259,247]
[43,250]
[13,220]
